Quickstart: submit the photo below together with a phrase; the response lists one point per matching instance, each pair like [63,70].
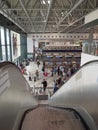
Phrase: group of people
[58,83]
[60,73]
[64,70]
[23,64]
[44,82]
[35,76]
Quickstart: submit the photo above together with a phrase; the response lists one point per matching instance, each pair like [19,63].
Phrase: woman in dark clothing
[38,63]
[44,85]
[55,87]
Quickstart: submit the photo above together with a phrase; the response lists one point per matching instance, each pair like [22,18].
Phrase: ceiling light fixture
[43,2]
[48,1]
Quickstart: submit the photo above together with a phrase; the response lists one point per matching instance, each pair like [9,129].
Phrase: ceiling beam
[27,14]
[75,6]
[48,13]
[44,9]
[92,4]
[75,28]
[11,19]
[9,16]
[72,24]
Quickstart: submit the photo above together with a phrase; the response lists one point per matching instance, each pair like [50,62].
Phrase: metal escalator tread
[48,118]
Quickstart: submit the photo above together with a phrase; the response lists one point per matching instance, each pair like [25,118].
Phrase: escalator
[19,110]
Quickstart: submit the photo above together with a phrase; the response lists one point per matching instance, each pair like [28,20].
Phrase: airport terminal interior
[48,64]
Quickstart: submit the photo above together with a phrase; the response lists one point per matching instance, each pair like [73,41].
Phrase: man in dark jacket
[44,85]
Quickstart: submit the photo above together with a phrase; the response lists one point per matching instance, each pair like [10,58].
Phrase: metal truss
[47,16]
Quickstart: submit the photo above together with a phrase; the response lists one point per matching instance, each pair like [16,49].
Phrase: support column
[10,45]
[5,36]
[90,51]
[33,49]
[0,46]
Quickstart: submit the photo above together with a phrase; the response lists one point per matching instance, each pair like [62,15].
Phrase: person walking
[44,82]
[38,63]
[55,88]
[37,74]
[30,77]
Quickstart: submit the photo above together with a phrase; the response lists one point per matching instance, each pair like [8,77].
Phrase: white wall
[36,44]
[29,45]
[87,57]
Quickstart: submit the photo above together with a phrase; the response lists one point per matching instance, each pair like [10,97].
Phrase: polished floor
[36,86]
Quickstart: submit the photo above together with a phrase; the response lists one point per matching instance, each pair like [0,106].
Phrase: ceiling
[47,16]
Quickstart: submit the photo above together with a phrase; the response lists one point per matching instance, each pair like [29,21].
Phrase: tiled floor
[37,85]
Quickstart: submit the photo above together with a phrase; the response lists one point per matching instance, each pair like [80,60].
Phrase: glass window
[8,45]
[7,36]
[3,53]
[9,54]
[3,44]
[2,36]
